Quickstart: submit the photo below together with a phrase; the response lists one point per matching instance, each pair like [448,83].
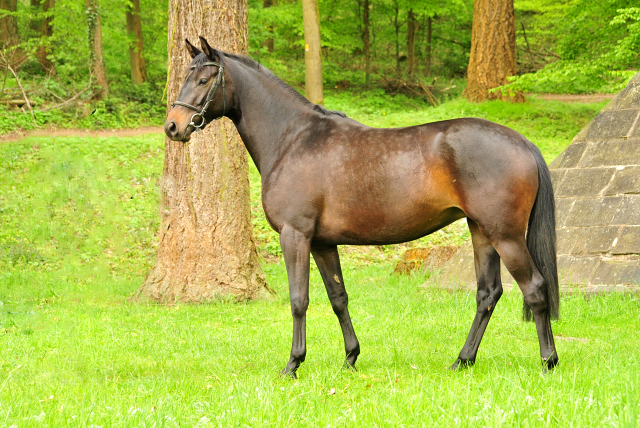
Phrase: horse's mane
[245,60]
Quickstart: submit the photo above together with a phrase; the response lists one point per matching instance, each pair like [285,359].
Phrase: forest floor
[573,98]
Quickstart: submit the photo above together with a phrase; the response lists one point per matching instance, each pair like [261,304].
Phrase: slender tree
[427,62]
[366,41]
[269,42]
[312,52]
[412,26]
[493,48]
[136,48]
[42,24]
[95,48]
[205,244]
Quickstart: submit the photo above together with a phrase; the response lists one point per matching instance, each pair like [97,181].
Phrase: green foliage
[581,58]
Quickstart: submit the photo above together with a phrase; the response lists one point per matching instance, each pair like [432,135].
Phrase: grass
[77,220]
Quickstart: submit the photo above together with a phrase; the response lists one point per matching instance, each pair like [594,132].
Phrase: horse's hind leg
[328,263]
[517,259]
[487,263]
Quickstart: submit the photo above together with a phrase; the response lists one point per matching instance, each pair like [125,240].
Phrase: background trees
[364,44]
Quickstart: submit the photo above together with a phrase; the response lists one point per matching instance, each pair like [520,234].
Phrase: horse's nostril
[172,127]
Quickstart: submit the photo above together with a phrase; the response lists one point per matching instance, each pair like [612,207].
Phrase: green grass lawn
[77,224]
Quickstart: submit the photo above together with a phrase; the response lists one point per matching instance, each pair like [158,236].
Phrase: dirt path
[574,98]
[18,135]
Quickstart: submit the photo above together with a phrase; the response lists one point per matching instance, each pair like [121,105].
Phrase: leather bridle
[219,80]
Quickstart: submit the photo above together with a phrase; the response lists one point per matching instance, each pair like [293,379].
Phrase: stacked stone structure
[597,188]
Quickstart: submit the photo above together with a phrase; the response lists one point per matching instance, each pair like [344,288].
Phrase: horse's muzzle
[177,127]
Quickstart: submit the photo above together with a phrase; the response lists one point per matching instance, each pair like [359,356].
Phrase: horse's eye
[203,81]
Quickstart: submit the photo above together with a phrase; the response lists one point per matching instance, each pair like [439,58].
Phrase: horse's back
[360,185]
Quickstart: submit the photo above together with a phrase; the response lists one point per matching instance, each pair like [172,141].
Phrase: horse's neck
[269,113]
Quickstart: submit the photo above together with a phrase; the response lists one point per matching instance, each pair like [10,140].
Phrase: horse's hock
[597,189]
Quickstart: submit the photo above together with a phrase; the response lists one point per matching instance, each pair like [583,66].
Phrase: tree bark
[312,52]
[41,24]
[427,65]
[493,49]
[269,42]
[8,25]
[95,48]
[411,43]
[205,244]
[136,48]
[366,42]
[47,32]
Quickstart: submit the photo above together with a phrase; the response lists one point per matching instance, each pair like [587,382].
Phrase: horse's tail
[541,237]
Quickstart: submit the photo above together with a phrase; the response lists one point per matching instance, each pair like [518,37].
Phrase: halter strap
[200,112]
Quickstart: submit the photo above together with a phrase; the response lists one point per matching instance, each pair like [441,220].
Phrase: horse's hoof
[291,374]
[550,363]
[461,364]
[348,366]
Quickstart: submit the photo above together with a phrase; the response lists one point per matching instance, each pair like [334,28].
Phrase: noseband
[200,112]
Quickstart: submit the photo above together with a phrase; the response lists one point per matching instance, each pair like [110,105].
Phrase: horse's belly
[363,224]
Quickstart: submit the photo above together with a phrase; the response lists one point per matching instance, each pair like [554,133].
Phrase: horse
[328,180]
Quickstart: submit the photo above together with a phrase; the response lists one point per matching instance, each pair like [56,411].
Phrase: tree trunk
[205,244]
[427,65]
[411,43]
[312,52]
[8,25]
[365,41]
[136,49]
[41,25]
[45,48]
[95,48]
[493,49]
[269,42]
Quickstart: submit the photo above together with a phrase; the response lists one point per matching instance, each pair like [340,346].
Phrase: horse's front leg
[296,247]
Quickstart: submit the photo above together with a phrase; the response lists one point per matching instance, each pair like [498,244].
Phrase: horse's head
[202,96]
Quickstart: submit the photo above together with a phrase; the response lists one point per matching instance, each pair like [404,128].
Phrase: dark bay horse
[328,180]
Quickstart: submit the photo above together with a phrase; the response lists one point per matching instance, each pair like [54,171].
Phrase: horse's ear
[208,50]
[193,51]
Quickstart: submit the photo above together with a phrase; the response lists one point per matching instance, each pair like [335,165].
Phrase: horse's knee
[299,306]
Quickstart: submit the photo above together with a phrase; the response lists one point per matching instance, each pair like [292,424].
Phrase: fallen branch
[23,93]
[70,99]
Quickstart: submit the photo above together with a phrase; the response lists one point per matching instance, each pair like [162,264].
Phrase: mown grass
[77,218]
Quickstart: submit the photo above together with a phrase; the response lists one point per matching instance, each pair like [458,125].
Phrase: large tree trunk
[136,49]
[312,52]
[95,48]
[411,43]
[493,48]
[205,244]
[366,42]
